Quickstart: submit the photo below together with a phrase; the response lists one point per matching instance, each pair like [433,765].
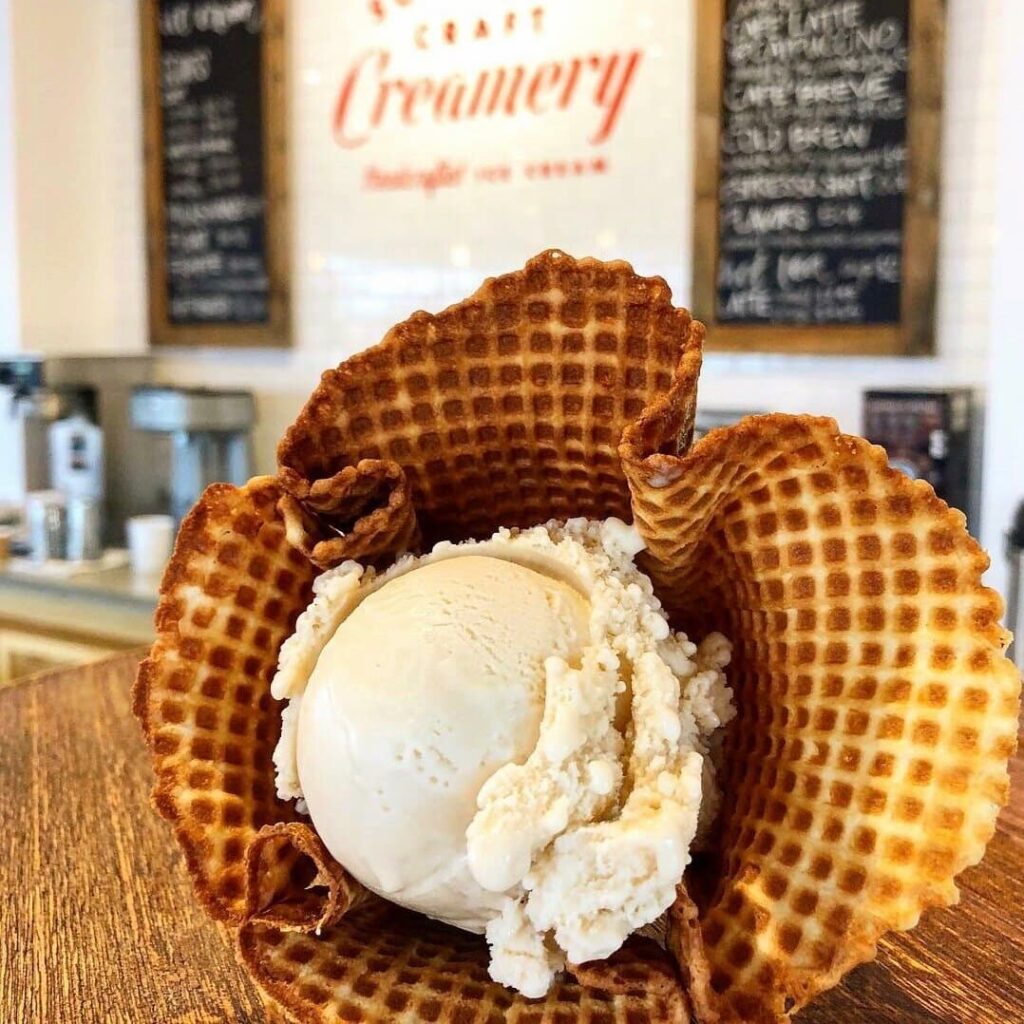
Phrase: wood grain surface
[102,926]
[98,925]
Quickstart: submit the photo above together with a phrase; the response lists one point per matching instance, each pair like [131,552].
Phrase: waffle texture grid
[868,662]
[505,410]
[381,963]
[229,597]
[877,714]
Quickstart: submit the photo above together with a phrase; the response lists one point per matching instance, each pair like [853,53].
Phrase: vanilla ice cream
[505,735]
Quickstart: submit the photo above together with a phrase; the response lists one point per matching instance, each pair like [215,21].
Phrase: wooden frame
[915,334]
[276,331]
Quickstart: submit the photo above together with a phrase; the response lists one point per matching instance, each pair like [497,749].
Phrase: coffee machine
[37,391]
[209,433]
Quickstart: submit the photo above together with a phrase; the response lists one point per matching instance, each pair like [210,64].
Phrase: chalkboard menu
[816,180]
[214,99]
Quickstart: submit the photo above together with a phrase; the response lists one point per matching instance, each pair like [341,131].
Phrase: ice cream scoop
[433,683]
[507,736]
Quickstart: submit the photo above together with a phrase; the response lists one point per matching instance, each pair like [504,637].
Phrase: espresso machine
[37,392]
[209,434]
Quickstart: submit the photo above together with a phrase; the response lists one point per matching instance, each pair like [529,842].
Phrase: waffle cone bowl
[876,711]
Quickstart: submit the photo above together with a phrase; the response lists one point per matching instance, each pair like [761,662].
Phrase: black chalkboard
[813,162]
[213,194]
[820,192]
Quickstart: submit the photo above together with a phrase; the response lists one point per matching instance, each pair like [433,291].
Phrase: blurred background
[205,204]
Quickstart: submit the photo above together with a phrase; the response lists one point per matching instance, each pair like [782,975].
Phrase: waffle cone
[868,668]
[506,409]
[868,761]
[381,963]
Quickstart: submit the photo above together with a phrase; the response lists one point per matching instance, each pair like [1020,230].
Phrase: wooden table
[102,926]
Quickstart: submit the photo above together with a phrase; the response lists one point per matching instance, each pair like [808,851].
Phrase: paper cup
[150,539]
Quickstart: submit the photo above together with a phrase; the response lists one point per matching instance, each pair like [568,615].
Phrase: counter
[89,869]
[47,621]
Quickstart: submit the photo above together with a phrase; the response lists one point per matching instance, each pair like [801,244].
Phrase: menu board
[214,209]
[814,205]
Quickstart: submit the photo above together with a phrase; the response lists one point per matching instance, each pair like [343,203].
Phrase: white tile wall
[9,318]
[1004,441]
[78,175]
[644,213]
[361,261]
[11,470]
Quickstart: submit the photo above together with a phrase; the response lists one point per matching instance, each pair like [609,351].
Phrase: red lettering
[383,92]
[482,32]
[611,93]
[416,91]
[349,85]
[497,79]
[538,18]
[481,85]
[429,179]
[367,99]
[543,80]
[493,173]
[450,108]
[419,36]
[575,66]
[449,31]
[517,81]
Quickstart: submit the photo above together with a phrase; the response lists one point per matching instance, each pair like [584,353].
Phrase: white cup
[150,539]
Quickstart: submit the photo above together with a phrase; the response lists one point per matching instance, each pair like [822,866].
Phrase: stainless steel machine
[37,391]
[210,437]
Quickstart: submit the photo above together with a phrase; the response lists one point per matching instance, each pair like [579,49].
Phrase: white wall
[361,261]
[8,230]
[1004,441]
[364,260]
[78,150]
[342,236]
[12,474]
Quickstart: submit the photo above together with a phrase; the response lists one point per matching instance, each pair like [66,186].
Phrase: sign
[215,191]
[817,219]
[442,141]
[452,70]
